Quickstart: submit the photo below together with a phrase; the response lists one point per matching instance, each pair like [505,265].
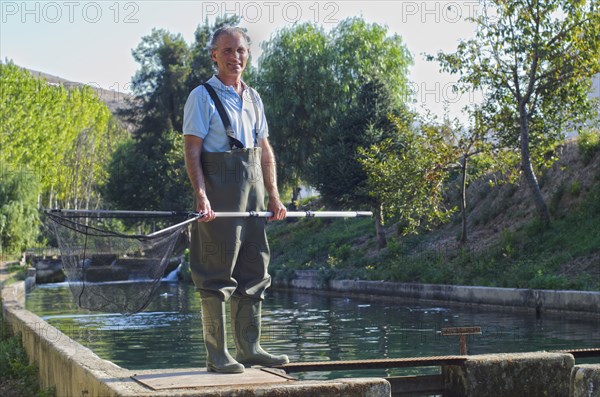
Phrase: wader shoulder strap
[233,142]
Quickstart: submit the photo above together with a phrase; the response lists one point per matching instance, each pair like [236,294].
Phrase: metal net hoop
[115,271]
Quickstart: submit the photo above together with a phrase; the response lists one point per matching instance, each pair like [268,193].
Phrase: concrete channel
[538,301]
[75,370]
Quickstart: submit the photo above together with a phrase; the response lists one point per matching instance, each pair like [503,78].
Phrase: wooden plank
[461,331]
[277,372]
[191,378]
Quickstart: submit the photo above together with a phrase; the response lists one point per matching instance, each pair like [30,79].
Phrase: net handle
[268,214]
[249,214]
[179,225]
[195,215]
[296,214]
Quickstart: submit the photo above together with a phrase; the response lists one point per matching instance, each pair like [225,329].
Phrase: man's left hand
[277,208]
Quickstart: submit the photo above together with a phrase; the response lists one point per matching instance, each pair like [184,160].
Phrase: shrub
[19,220]
[575,188]
[555,199]
[588,143]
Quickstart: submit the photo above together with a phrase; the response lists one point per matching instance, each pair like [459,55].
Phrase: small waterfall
[172,276]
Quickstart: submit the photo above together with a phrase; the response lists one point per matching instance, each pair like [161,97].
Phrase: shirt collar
[218,84]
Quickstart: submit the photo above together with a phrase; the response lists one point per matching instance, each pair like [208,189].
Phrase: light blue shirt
[201,117]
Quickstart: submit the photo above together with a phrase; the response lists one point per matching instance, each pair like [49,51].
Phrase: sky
[91,41]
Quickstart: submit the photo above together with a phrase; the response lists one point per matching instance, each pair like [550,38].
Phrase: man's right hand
[203,207]
[193,166]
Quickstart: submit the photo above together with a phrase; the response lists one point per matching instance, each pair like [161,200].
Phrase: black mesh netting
[111,271]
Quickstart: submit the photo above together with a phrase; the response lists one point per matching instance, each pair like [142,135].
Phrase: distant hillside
[114,100]
[506,246]
[501,219]
[508,207]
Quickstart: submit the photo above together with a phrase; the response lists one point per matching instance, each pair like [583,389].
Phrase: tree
[534,60]
[149,174]
[296,84]
[362,51]
[160,83]
[470,150]
[338,174]
[469,144]
[407,176]
[310,78]
[65,136]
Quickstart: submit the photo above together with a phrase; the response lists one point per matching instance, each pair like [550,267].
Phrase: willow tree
[297,85]
[534,60]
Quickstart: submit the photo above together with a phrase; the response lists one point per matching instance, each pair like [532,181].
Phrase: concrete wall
[75,370]
[585,381]
[72,369]
[511,375]
[538,300]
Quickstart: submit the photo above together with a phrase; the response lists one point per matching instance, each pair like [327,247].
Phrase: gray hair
[228,30]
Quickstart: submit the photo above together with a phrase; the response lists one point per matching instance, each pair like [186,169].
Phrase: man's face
[231,55]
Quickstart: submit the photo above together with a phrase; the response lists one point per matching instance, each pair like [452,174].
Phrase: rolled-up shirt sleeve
[196,114]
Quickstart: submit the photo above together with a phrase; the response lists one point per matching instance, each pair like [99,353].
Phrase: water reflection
[307,327]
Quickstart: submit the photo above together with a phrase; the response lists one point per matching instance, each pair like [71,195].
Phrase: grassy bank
[516,252]
[15,272]
[18,378]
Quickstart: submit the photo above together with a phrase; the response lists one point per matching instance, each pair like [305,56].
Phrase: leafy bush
[555,199]
[588,143]
[19,220]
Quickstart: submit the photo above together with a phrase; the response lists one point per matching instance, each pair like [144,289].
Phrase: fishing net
[110,271]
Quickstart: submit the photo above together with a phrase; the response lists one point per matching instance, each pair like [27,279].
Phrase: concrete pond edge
[75,370]
[534,300]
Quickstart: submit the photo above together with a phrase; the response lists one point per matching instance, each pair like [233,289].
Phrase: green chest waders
[230,255]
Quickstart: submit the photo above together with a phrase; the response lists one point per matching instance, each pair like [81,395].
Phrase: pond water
[308,327]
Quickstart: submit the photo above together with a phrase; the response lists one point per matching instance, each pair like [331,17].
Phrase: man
[230,168]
